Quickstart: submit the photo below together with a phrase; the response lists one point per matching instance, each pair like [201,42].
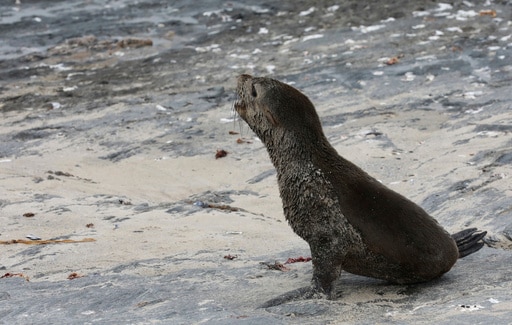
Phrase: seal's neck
[286,150]
[283,156]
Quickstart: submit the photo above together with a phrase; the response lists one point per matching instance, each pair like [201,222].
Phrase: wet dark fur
[351,221]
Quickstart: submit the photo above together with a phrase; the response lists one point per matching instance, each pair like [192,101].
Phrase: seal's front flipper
[297,294]
[469,241]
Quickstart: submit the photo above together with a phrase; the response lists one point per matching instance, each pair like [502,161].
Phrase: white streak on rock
[307,12]
[420,26]
[444,6]
[420,13]
[368,29]
[409,76]
[310,37]
[454,29]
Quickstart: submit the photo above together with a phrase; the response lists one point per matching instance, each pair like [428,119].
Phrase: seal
[350,220]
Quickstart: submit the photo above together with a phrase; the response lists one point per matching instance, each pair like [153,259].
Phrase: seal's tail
[469,241]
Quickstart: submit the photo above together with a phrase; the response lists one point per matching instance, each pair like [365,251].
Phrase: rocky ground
[112,113]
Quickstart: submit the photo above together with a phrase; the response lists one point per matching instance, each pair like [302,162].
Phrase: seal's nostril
[244,77]
[253,92]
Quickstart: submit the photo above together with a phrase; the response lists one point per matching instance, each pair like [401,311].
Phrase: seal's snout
[241,84]
[240,104]
[243,77]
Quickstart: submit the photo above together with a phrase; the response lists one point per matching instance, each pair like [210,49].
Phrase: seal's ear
[269,116]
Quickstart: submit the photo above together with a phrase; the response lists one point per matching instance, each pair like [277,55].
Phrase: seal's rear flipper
[297,294]
[468,241]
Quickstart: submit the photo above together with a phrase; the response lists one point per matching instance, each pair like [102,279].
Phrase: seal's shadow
[362,289]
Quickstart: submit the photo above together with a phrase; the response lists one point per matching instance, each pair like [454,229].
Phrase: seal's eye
[253,92]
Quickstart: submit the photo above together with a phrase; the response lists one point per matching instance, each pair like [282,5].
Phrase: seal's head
[275,110]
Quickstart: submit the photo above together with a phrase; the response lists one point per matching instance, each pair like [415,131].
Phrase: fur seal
[350,220]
